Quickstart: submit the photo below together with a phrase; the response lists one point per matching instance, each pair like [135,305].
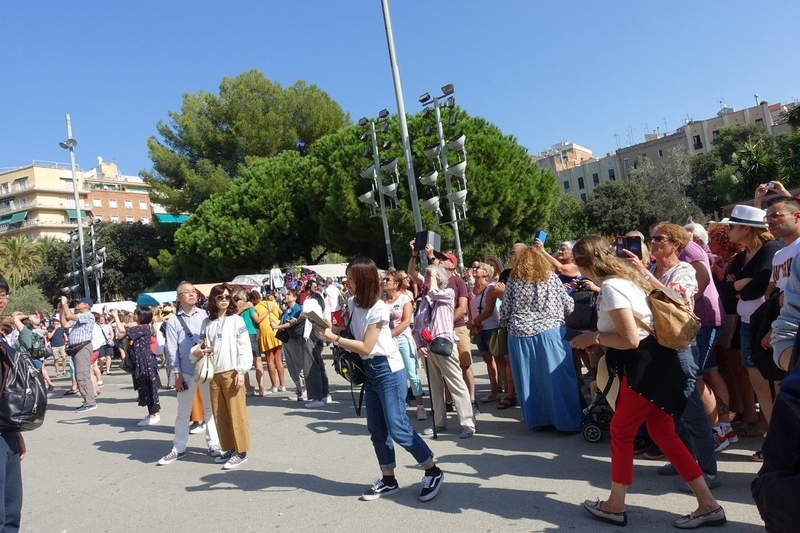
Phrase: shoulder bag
[350,366]
[674,323]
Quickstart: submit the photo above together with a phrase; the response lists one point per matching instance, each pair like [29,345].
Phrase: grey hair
[568,244]
[439,273]
[698,232]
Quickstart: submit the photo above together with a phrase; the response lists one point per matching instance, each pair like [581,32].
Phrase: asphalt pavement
[96,472]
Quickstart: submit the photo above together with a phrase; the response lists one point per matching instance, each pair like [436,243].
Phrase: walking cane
[430,395]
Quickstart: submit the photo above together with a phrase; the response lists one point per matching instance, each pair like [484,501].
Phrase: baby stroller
[596,418]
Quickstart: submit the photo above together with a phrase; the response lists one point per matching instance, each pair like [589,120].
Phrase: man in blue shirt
[80,326]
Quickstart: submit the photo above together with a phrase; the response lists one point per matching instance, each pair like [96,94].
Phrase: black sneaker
[475,409]
[449,407]
[430,486]
[379,489]
[223,458]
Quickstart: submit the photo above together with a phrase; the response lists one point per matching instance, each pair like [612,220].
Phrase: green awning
[73,213]
[4,220]
[17,217]
[168,218]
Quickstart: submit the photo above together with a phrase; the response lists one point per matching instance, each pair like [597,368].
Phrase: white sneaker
[315,403]
[281,389]
[214,451]
[235,460]
[197,427]
[328,399]
[422,413]
[149,421]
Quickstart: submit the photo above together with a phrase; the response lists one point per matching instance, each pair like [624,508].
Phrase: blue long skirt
[547,388]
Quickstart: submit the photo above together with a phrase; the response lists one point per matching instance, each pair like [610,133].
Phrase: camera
[632,244]
[769,185]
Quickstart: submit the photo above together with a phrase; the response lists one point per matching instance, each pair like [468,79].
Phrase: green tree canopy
[19,259]
[568,222]
[616,207]
[281,207]
[205,146]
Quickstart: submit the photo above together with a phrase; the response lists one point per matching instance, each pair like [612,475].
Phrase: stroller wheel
[605,421]
[592,432]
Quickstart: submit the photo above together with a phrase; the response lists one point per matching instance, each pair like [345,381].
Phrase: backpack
[38,349]
[674,323]
[23,395]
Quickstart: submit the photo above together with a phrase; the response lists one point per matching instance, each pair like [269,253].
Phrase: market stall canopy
[332,270]
[156,298]
[250,279]
[107,306]
[205,288]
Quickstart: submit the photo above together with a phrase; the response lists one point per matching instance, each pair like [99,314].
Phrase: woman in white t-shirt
[401,309]
[651,388]
[385,385]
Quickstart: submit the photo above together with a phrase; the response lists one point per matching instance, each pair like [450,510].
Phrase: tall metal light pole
[376,176]
[70,145]
[401,115]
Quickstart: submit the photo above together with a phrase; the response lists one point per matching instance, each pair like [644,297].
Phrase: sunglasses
[387,279]
[659,238]
[224,297]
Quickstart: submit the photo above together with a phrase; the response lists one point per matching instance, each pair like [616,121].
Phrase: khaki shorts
[60,352]
[464,346]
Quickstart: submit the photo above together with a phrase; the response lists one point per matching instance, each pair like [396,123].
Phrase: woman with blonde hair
[651,383]
[266,311]
[535,305]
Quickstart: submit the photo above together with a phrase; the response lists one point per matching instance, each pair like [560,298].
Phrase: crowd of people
[683,405]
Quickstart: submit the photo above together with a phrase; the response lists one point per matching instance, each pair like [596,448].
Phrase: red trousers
[631,411]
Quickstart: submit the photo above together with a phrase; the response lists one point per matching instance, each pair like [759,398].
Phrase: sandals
[70,392]
[757,457]
[507,402]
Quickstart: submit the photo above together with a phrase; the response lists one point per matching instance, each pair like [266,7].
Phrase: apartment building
[38,200]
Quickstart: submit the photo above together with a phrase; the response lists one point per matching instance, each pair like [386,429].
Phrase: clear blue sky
[541,71]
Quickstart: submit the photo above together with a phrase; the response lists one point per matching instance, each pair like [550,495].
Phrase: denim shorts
[747,352]
[483,340]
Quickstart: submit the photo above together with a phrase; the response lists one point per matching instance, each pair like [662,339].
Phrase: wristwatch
[597,338]
[647,277]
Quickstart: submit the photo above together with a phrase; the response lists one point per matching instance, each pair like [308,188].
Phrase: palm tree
[792,116]
[19,257]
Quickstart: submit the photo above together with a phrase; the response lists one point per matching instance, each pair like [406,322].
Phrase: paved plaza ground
[96,472]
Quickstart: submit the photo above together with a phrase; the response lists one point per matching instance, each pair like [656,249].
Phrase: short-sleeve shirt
[247,315]
[709,306]
[396,308]
[618,293]
[385,347]
[82,330]
[57,340]
[459,287]
[782,264]
[682,279]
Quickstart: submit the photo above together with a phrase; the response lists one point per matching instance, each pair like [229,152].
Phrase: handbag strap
[187,331]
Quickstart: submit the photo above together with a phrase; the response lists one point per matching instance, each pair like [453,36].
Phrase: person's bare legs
[259,364]
[761,388]
[711,387]
[491,370]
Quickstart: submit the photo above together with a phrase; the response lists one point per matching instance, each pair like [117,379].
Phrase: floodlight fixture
[458,197]
[386,145]
[428,130]
[383,113]
[425,98]
[448,89]
[429,178]
[457,169]
[367,198]
[390,165]
[457,142]
[364,136]
[368,173]
[69,143]
[450,103]
[431,204]
[452,120]
[384,127]
[432,150]
[363,121]
[367,153]
[390,190]
[427,112]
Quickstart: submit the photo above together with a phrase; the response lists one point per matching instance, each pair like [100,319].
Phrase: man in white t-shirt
[333,302]
[783,221]
[313,365]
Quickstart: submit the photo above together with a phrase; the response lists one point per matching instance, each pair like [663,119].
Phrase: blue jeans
[385,401]
[693,427]
[704,349]
[410,362]
[747,350]
[11,482]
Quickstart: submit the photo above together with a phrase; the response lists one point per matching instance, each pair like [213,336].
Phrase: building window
[98,218]
[97,202]
[596,179]
[760,121]
[715,136]
[566,186]
[114,218]
[145,220]
[580,183]
[583,197]
[611,174]
[68,185]
[661,153]
[112,203]
[128,204]
[128,218]
[698,144]
[142,205]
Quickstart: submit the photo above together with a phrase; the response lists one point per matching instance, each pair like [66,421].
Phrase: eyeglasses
[192,291]
[223,297]
[659,238]
[775,216]
[386,280]
[3,296]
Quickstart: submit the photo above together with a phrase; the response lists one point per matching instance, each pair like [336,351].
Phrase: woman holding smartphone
[385,386]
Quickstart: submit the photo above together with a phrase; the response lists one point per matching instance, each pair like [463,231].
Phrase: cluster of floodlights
[456,189]
[380,194]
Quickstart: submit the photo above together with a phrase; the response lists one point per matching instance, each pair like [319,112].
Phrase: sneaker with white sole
[422,413]
[281,389]
[197,427]
[235,460]
[327,399]
[223,457]
[149,421]
[379,489]
[430,486]
[729,432]
[214,451]
[315,404]
[84,408]
[171,457]
[720,442]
